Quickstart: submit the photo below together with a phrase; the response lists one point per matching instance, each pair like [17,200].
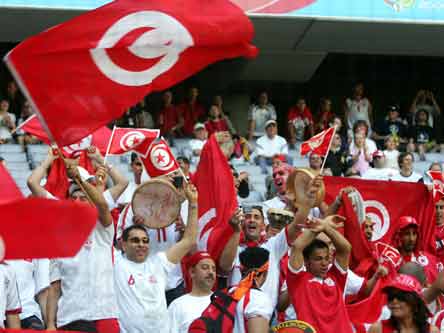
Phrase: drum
[298,184]
[158,202]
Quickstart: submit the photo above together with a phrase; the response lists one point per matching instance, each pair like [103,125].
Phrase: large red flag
[98,138]
[159,160]
[217,198]
[386,201]
[318,144]
[131,139]
[84,73]
[8,188]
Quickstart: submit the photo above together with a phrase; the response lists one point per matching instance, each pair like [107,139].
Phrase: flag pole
[109,145]
[328,150]
[23,124]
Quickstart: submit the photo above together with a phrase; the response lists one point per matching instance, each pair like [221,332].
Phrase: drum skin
[298,184]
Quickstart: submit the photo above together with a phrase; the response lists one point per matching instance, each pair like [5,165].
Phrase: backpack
[218,317]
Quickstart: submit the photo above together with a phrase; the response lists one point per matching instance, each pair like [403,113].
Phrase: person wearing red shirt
[324,116]
[300,122]
[316,288]
[170,119]
[215,122]
[439,233]
[192,111]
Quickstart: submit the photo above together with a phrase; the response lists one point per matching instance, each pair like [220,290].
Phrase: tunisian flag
[98,138]
[318,144]
[83,73]
[385,202]
[159,160]
[53,228]
[131,139]
[217,198]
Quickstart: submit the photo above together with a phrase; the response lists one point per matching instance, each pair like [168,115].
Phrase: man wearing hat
[391,125]
[196,144]
[183,310]
[407,240]
[379,171]
[269,145]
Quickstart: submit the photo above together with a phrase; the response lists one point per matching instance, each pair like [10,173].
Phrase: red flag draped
[217,198]
[84,73]
[386,201]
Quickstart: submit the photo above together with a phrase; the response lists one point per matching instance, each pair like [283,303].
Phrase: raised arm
[176,252]
[343,247]
[230,250]
[296,260]
[39,173]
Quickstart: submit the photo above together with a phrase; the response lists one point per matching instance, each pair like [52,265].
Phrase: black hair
[314,245]
[126,232]
[417,114]
[402,156]
[253,258]
[184,159]
[133,157]
[419,309]
[360,123]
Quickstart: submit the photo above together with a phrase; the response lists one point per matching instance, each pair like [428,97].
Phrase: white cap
[269,122]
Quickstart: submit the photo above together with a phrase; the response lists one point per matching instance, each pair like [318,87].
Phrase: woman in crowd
[216,122]
[323,116]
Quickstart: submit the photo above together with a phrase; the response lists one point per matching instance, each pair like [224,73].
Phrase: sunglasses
[398,294]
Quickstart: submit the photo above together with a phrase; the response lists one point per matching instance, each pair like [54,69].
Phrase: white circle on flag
[166,39]
[160,158]
[379,214]
[131,139]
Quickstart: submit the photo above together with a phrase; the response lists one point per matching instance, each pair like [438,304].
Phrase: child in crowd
[359,154]
[391,153]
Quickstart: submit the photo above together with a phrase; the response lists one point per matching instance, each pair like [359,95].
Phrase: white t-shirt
[127,195]
[9,294]
[413,178]
[196,144]
[269,147]
[87,284]
[140,289]
[5,132]
[278,247]
[391,159]
[259,305]
[357,110]
[380,174]
[261,115]
[184,310]
[32,278]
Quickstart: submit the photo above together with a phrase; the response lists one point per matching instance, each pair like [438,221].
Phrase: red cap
[406,221]
[280,157]
[378,153]
[194,259]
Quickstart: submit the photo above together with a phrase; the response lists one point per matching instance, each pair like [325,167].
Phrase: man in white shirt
[406,173]
[141,280]
[258,115]
[10,305]
[33,283]
[379,172]
[185,309]
[269,145]
[196,144]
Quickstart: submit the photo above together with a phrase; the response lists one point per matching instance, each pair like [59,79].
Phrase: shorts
[33,323]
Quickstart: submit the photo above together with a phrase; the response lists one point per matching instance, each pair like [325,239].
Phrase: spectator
[336,157]
[170,120]
[324,116]
[183,310]
[276,161]
[424,100]
[300,122]
[361,126]
[379,171]
[368,226]
[421,137]
[258,115]
[341,130]
[391,153]
[216,122]
[200,138]
[360,155]
[406,173]
[10,306]
[217,100]
[242,150]
[315,288]
[315,163]
[269,145]
[142,116]
[7,122]
[137,170]
[33,284]
[141,280]
[184,164]
[192,111]
[391,126]
[14,98]
[358,107]
[22,137]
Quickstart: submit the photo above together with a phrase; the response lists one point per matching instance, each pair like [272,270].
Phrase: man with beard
[188,307]
[407,242]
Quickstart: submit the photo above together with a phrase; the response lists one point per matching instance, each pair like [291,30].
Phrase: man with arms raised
[141,280]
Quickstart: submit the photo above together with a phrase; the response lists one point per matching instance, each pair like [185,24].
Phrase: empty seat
[10,148]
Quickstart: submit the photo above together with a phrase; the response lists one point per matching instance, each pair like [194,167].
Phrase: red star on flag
[160,158]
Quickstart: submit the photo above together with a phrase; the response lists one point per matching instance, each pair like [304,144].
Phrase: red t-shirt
[319,302]
[170,116]
[216,126]
[439,236]
[191,115]
[295,113]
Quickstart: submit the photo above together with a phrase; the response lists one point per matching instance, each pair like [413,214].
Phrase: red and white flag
[217,198]
[131,139]
[318,144]
[99,138]
[438,184]
[159,160]
[83,73]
